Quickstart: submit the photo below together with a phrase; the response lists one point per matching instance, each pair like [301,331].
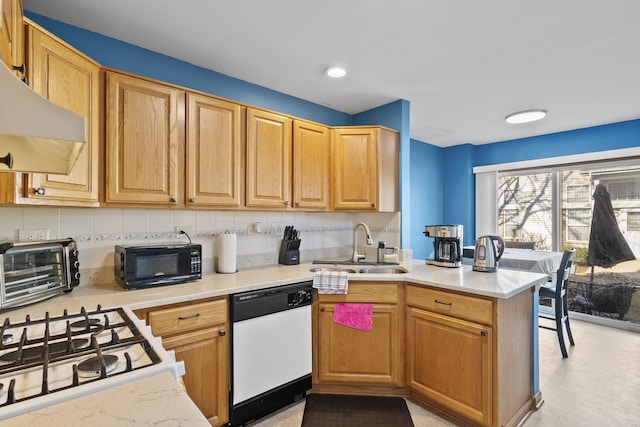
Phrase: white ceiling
[462,65]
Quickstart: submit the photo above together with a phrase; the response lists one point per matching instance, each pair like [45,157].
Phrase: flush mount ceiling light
[526,116]
[336,72]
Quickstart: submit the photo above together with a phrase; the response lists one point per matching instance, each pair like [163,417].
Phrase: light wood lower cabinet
[470,356]
[351,356]
[197,333]
[449,361]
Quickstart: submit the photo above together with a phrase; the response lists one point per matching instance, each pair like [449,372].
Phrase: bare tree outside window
[531,202]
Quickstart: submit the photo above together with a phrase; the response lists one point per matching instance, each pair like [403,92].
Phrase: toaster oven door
[32,273]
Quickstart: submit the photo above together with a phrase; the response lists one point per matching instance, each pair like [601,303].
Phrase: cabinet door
[206,360]
[143,142]
[214,168]
[351,355]
[268,160]
[354,156]
[12,35]
[6,18]
[449,362]
[71,80]
[311,154]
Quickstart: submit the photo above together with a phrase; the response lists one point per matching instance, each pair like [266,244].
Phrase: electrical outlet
[34,234]
[186,228]
[277,228]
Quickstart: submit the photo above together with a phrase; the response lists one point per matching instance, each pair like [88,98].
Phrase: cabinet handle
[442,302]
[483,333]
[298,204]
[7,160]
[222,332]
[193,316]
[40,191]
[322,310]
[192,199]
[174,199]
[286,203]
[373,205]
[20,68]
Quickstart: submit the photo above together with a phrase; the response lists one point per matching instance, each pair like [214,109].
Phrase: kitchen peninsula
[489,313]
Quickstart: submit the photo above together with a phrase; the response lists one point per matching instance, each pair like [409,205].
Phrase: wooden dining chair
[557,294]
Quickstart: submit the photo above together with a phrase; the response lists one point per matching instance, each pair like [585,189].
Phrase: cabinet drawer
[369,292]
[462,306]
[181,319]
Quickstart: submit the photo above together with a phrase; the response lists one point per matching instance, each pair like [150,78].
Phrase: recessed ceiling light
[336,72]
[526,116]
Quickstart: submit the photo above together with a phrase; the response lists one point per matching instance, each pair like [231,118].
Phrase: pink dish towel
[358,316]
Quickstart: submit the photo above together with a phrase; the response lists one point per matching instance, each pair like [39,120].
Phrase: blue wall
[437,185]
[395,115]
[427,169]
[123,56]
[459,198]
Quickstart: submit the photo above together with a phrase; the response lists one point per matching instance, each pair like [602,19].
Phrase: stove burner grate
[66,356]
[92,367]
[35,354]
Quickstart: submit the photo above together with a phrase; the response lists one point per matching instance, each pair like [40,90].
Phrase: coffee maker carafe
[447,245]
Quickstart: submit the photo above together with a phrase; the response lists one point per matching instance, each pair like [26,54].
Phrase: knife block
[289,252]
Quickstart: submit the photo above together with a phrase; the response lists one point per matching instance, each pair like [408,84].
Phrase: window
[628,189]
[633,221]
[578,194]
[510,222]
[510,187]
[550,201]
[578,223]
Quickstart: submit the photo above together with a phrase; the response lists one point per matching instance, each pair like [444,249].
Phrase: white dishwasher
[270,349]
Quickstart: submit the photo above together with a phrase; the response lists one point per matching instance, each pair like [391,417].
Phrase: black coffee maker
[447,245]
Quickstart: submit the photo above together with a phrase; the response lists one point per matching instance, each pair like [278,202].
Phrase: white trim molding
[561,160]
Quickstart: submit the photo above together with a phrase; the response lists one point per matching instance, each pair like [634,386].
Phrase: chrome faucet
[356,256]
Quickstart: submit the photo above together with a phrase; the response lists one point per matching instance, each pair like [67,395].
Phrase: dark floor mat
[332,410]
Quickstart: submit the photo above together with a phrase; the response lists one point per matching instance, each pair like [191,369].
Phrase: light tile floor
[597,386]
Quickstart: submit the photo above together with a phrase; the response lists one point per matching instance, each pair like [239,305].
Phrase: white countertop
[500,284]
[161,401]
[154,401]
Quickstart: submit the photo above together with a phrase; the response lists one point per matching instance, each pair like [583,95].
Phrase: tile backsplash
[98,230]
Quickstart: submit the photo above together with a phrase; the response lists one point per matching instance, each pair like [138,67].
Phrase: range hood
[36,135]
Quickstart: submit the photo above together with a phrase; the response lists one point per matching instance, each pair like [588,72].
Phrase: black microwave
[147,266]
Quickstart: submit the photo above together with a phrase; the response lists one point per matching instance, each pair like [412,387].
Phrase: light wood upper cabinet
[311,155]
[71,80]
[12,36]
[365,169]
[144,142]
[268,160]
[215,152]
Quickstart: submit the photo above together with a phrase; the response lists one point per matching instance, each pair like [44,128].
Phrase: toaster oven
[33,271]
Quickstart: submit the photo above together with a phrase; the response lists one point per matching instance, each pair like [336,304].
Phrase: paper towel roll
[227,243]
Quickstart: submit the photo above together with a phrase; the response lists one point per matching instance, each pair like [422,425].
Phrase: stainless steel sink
[384,270]
[348,270]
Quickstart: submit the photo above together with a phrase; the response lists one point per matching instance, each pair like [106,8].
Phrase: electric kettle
[485,257]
